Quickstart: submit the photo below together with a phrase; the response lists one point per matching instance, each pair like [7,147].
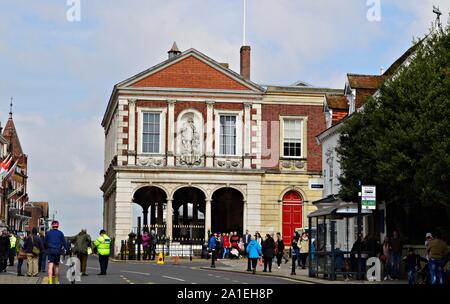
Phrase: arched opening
[227,211]
[292,215]
[188,214]
[153,201]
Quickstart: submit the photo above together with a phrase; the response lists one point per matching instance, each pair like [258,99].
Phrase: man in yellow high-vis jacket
[12,250]
[103,245]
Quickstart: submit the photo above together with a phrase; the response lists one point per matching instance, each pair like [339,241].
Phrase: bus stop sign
[368,197]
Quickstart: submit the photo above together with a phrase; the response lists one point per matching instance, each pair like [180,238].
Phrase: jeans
[226,252]
[395,266]
[411,276]
[42,261]
[436,271]
[19,266]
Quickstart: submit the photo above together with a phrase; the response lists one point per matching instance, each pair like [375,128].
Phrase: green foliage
[400,142]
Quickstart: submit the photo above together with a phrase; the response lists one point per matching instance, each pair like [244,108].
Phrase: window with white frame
[292,137]
[227,135]
[151,132]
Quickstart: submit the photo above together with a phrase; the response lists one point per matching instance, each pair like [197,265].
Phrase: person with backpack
[21,255]
[33,247]
[82,243]
[153,242]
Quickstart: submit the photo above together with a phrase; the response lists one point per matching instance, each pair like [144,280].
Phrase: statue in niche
[190,143]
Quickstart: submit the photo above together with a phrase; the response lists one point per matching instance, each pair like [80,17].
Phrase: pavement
[240,266]
[197,271]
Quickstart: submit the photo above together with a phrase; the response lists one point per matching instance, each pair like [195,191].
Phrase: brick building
[202,148]
[13,194]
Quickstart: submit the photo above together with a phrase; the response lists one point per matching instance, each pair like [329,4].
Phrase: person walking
[4,250]
[12,250]
[386,259]
[145,240]
[103,245]
[295,251]
[396,245]
[21,255]
[279,250]
[437,250]
[56,245]
[43,255]
[412,261]
[254,253]
[268,252]
[82,243]
[304,249]
[33,247]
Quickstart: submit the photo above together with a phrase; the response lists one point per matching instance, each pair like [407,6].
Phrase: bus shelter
[326,258]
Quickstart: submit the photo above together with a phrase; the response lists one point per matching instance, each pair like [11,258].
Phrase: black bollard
[294,258]
[213,258]
[139,239]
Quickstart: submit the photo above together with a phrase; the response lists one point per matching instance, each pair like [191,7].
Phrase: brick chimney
[245,61]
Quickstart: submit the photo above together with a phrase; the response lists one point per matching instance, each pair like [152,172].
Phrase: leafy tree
[400,140]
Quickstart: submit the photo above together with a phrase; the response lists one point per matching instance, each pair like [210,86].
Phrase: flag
[11,172]
[4,166]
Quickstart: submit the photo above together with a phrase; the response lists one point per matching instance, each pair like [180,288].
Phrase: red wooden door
[292,215]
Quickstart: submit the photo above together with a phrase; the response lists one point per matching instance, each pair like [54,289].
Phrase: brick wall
[316,124]
[190,73]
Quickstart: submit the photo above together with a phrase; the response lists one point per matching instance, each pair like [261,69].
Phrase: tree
[400,140]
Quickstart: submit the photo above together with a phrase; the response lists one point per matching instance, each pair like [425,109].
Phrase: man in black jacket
[5,246]
[33,241]
[268,251]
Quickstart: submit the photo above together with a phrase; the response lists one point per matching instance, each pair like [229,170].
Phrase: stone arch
[136,189]
[187,186]
[227,210]
[244,195]
[293,188]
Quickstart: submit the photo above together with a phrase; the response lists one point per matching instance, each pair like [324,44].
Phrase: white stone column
[209,133]
[247,135]
[245,215]
[169,217]
[207,217]
[171,133]
[131,131]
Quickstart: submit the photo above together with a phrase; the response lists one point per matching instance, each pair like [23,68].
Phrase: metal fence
[133,250]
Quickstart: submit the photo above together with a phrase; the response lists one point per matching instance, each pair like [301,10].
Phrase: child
[412,265]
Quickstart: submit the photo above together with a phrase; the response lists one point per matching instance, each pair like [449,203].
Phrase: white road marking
[135,272]
[226,279]
[172,278]
[236,281]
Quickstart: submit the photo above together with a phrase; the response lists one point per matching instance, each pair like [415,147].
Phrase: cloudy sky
[61,73]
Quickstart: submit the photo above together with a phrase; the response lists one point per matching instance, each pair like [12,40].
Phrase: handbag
[21,255]
[36,251]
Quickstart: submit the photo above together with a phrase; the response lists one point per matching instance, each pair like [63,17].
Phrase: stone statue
[190,143]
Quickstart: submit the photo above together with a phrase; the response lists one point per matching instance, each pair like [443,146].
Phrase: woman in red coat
[226,245]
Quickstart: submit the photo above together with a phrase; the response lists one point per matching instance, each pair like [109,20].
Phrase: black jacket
[4,246]
[28,245]
[268,248]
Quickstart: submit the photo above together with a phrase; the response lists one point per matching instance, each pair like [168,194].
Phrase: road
[184,273]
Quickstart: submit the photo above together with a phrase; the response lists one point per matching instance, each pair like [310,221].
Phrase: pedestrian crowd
[42,251]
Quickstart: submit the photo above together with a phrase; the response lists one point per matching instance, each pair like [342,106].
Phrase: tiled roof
[10,133]
[358,81]
[337,102]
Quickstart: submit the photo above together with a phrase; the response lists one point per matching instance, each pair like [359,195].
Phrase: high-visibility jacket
[103,244]
[12,241]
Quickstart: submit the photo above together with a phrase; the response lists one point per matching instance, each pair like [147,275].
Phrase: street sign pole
[359,229]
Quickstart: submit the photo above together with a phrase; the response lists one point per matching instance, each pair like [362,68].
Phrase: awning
[333,205]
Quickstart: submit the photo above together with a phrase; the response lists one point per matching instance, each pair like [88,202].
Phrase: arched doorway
[153,200]
[227,211]
[292,215]
[188,214]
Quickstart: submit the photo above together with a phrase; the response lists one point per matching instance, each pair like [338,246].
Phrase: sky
[61,66]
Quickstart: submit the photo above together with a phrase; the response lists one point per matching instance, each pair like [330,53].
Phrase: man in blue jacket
[55,244]
[213,244]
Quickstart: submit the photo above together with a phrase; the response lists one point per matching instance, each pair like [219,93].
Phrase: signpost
[368,197]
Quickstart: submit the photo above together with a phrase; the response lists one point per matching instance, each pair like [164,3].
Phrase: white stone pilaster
[209,133]
[207,217]
[131,131]
[169,217]
[171,133]
[247,135]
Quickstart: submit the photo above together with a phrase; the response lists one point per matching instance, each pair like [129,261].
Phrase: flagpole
[244,23]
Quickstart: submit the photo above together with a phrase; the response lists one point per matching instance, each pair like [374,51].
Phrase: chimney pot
[245,61]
